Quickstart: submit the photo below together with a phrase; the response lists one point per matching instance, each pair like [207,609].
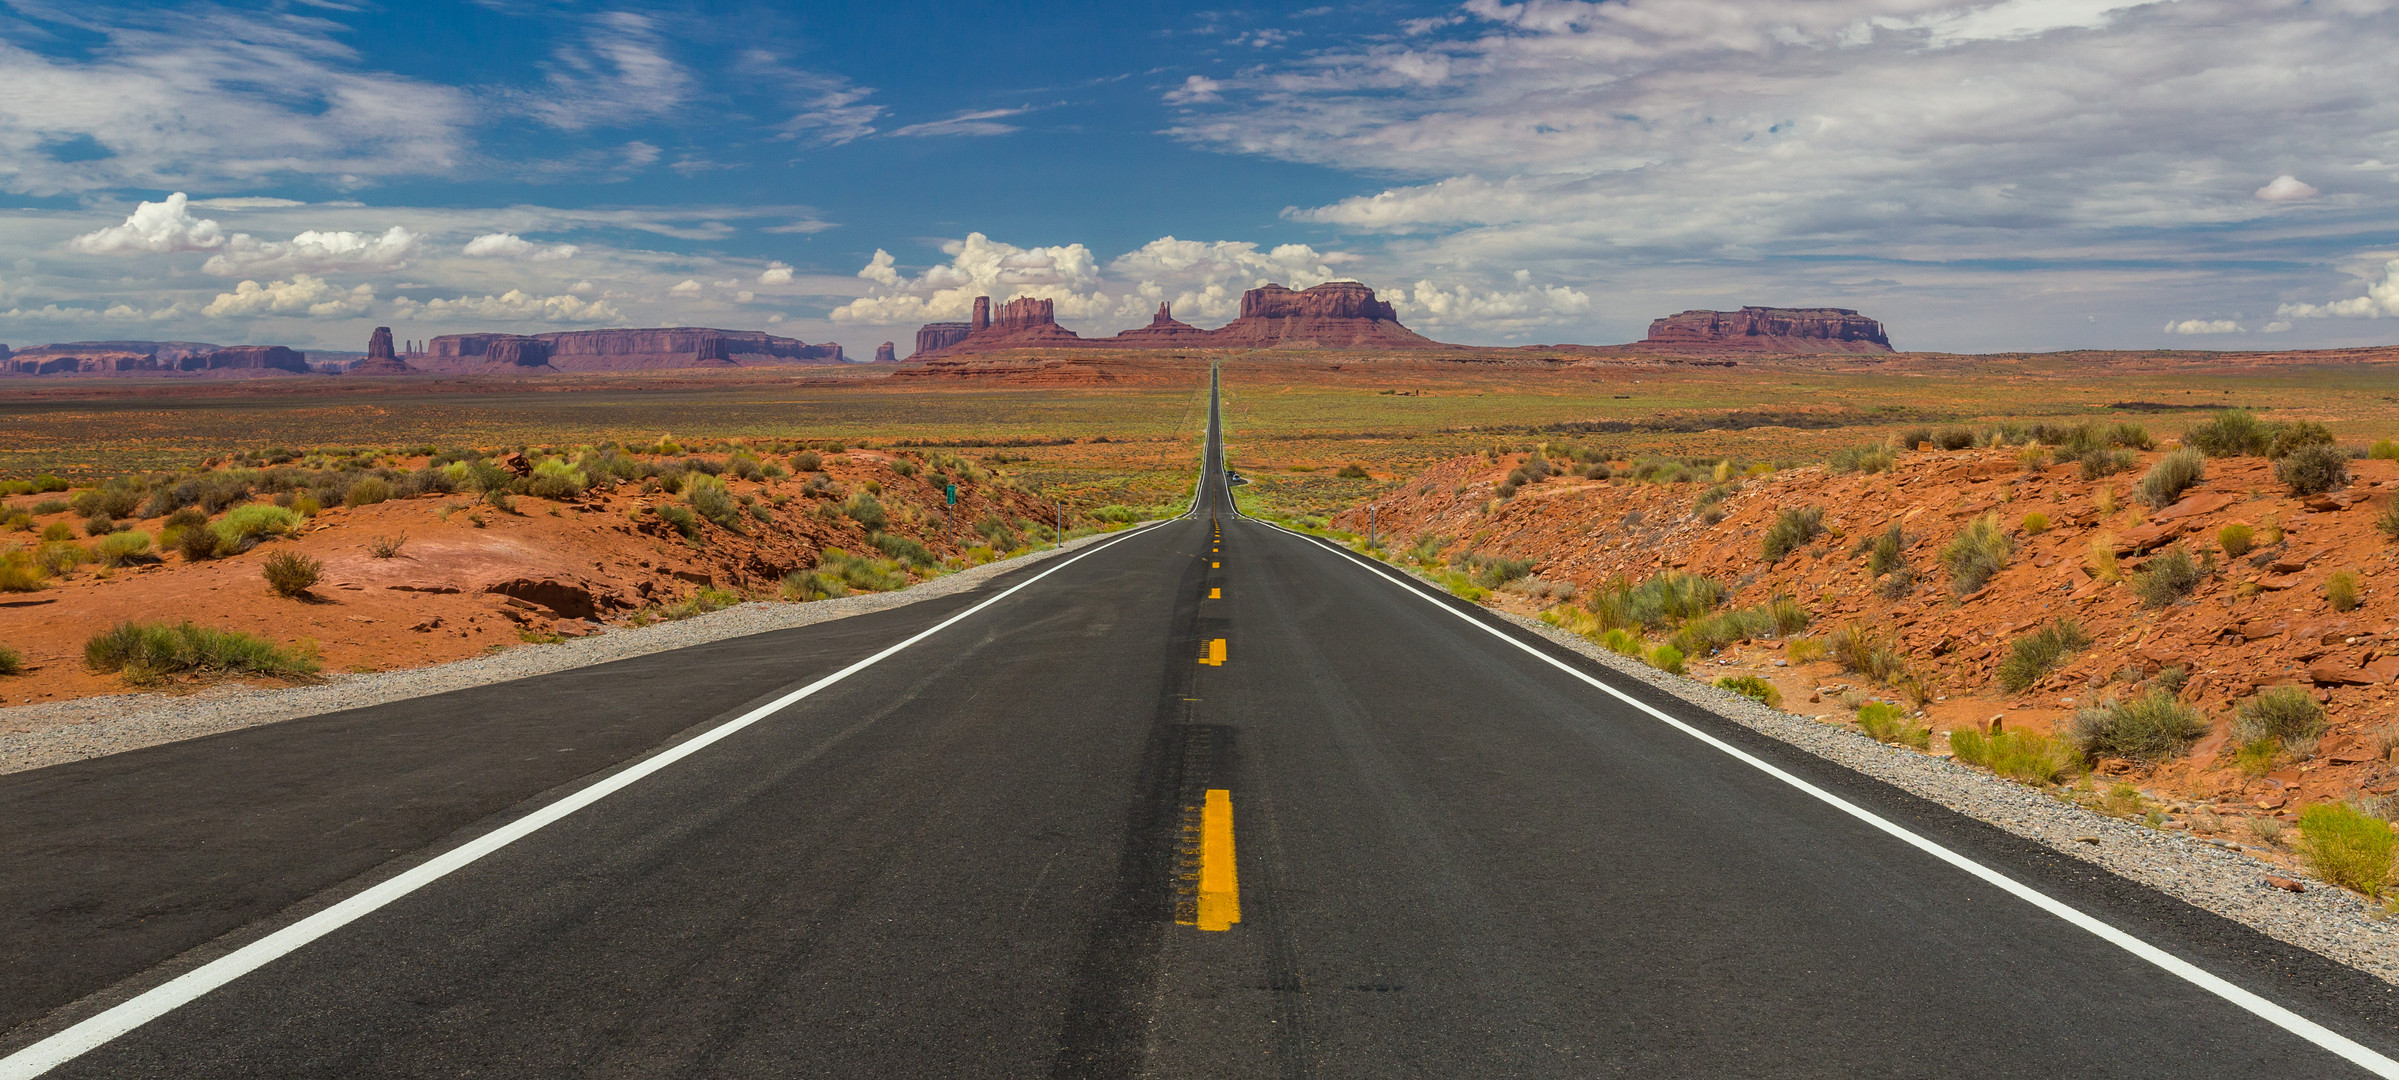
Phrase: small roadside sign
[952,490]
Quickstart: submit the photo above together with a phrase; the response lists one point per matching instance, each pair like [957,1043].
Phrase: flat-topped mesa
[1768,329]
[1334,315]
[933,337]
[620,350]
[887,353]
[382,358]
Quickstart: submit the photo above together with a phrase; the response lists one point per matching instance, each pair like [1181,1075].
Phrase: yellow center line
[1215,657]
[1219,891]
[1215,565]
[1216,594]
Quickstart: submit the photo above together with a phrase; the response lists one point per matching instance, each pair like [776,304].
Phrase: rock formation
[1766,329]
[154,358]
[620,350]
[258,358]
[1164,328]
[933,337]
[887,353]
[1334,315]
[381,358]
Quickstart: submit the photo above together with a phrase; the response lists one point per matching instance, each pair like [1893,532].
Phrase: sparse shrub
[1888,723]
[1598,470]
[864,509]
[367,491]
[1667,658]
[197,542]
[1976,554]
[2347,846]
[246,525]
[2287,714]
[998,533]
[806,461]
[2167,577]
[2232,433]
[2236,540]
[1493,572]
[2024,756]
[290,573]
[1792,529]
[861,574]
[2032,656]
[62,557]
[2173,474]
[1867,650]
[11,661]
[120,549]
[2152,727]
[21,572]
[1662,599]
[2343,589]
[2292,436]
[2256,756]
[2035,524]
[2313,469]
[1953,438]
[1806,650]
[701,603]
[2384,450]
[555,479]
[1355,471]
[100,526]
[2103,558]
[1622,642]
[15,519]
[2033,458]
[153,652]
[744,467]
[2099,462]
[117,498]
[57,532]
[904,550]
[1870,458]
[680,517]
[1750,686]
[710,499]
[306,505]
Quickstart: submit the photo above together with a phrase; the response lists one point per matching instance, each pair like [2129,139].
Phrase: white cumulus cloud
[2287,188]
[302,295]
[154,228]
[512,306]
[2382,298]
[1490,309]
[2204,326]
[778,273]
[315,251]
[511,246]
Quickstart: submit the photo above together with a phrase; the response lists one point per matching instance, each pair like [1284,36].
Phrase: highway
[972,837]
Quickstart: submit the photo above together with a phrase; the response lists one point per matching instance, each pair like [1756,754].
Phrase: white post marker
[97,1031]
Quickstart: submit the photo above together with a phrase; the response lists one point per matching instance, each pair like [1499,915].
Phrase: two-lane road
[969,850]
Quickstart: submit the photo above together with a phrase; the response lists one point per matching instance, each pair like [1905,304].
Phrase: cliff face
[1765,329]
[154,358]
[258,358]
[621,350]
[1334,315]
[887,353]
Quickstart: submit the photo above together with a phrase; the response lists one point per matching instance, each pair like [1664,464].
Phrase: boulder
[1769,329]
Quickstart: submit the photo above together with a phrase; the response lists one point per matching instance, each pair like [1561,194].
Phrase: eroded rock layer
[1768,329]
[1334,315]
[620,350]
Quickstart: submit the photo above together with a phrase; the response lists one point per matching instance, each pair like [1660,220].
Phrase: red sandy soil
[2259,621]
[571,566]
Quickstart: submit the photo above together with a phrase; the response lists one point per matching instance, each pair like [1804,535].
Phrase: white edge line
[97,1031]
[2283,1018]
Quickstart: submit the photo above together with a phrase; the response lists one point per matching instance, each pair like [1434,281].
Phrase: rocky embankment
[2283,595]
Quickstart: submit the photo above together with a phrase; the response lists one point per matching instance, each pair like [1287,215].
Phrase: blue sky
[1980,174]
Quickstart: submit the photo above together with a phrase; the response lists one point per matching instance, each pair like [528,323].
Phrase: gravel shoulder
[33,736]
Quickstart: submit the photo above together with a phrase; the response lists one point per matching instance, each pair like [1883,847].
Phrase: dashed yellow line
[1219,890]
[1215,657]
[1216,594]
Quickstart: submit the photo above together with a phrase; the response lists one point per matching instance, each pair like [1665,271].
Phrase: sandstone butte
[1768,330]
[2260,620]
[152,357]
[617,350]
[381,359]
[1334,315]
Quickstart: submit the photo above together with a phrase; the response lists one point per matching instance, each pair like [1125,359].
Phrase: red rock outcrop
[1766,329]
[108,358]
[621,350]
[887,353]
[933,337]
[1164,328]
[258,358]
[381,359]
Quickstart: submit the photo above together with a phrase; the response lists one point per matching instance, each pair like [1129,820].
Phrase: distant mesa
[381,359]
[1334,315]
[153,358]
[618,350]
[1769,330]
[887,353]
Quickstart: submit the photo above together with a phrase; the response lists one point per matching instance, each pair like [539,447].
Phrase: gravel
[2325,919]
[95,726]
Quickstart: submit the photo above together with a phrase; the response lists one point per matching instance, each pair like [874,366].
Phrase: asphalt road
[968,858]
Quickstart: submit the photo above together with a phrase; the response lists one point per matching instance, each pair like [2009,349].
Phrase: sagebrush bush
[2287,714]
[1355,471]
[679,516]
[806,461]
[246,525]
[1792,529]
[2231,433]
[2313,469]
[1667,658]
[57,532]
[2152,727]
[12,662]
[367,491]
[2347,846]
[2384,450]
[2173,474]
[62,557]
[387,547]
[2294,435]
[1889,723]
[1977,553]
[1867,650]
[21,572]
[1750,686]
[861,573]
[2034,524]
[1662,599]
[2100,462]
[555,479]
[2025,756]
[1806,650]
[1004,538]
[710,499]
[904,550]
[151,652]
[2035,654]
[2236,539]
[290,573]
[122,549]
[2344,591]
[863,508]
[1491,572]
[701,603]
[2167,577]
[1870,458]
[2387,521]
